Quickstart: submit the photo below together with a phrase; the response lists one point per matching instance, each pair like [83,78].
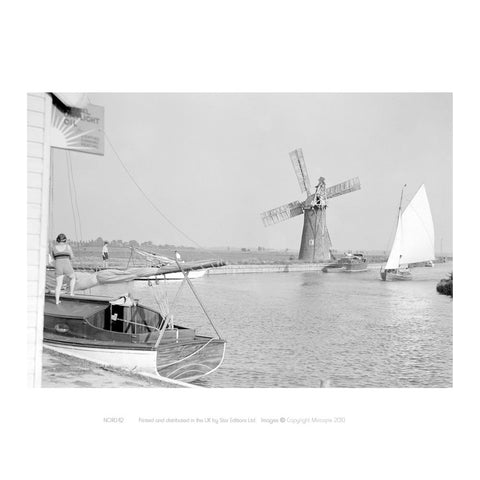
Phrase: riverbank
[65,371]
[237,260]
[282,268]
[123,257]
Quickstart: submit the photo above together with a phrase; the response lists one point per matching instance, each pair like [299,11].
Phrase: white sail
[414,239]
[396,251]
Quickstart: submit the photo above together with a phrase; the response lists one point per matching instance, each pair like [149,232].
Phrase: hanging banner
[79,129]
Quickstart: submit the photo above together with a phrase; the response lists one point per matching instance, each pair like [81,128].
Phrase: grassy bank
[120,257]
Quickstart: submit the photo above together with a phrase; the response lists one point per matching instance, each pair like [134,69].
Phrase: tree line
[98,242]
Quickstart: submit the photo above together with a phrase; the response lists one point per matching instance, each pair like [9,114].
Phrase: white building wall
[39,107]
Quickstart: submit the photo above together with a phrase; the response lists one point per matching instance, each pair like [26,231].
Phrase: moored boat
[178,276]
[196,269]
[123,333]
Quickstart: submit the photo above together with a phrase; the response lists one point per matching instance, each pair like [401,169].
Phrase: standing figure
[105,254]
[62,254]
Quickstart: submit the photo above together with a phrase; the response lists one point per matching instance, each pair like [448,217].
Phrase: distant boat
[193,274]
[349,263]
[442,258]
[414,238]
[170,272]
[428,263]
[174,276]
[156,261]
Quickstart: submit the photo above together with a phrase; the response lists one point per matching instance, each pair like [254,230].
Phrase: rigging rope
[163,303]
[74,203]
[145,195]
[393,231]
[158,211]
[70,166]
[71,197]
[51,221]
[186,279]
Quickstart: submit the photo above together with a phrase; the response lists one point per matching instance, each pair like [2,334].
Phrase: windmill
[316,244]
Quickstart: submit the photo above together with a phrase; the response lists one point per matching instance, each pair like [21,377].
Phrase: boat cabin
[102,319]
[353,258]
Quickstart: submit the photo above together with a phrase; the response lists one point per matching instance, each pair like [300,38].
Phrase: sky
[211,163]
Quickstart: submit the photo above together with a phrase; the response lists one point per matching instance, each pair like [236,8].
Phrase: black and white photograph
[241,222]
[166,264]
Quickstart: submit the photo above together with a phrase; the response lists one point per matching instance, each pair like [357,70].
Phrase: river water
[302,329]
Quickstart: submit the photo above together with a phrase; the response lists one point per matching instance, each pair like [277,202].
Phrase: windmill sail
[282,213]
[300,168]
[414,238]
[345,187]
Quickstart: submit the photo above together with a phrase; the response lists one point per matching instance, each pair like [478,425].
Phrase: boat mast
[400,213]
[400,206]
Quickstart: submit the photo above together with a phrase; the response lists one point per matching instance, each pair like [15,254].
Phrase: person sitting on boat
[105,254]
[62,255]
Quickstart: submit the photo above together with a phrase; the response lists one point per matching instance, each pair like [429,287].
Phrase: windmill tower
[316,244]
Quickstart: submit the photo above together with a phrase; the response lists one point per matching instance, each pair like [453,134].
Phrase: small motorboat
[350,262]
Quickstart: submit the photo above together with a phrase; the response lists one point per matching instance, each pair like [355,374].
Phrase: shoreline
[65,371]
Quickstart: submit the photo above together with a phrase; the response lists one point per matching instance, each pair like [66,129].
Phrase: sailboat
[121,332]
[155,260]
[414,238]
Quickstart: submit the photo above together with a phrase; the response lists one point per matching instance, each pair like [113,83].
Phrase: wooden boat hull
[139,361]
[185,362]
[344,269]
[83,328]
[192,361]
